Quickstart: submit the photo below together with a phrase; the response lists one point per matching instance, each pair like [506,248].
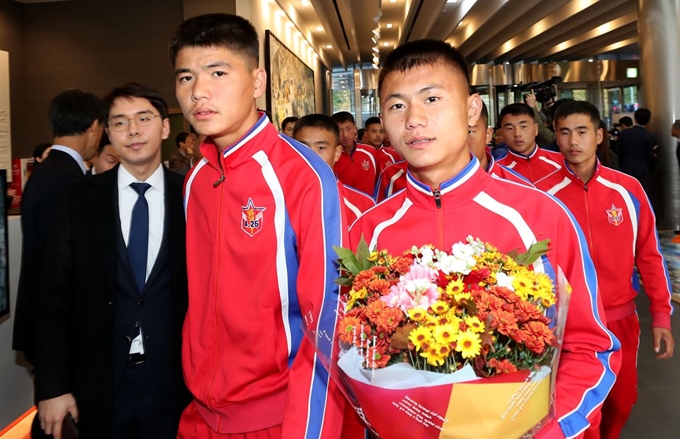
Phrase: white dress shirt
[127,197]
[73,153]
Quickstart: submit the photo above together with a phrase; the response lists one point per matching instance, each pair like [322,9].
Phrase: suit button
[127,340]
[141,304]
[110,302]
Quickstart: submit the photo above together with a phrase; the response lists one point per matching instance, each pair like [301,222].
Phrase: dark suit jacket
[78,347]
[635,148]
[179,163]
[38,207]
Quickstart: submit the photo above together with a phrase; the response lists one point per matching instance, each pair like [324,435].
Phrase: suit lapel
[103,199]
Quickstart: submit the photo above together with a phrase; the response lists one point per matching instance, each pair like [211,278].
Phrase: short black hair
[137,90]
[372,120]
[360,133]
[642,116]
[181,138]
[286,121]
[218,30]
[39,149]
[320,121]
[626,121]
[73,111]
[578,107]
[484,114]
[343,117]
[103,141]
[423,53]
[517,109]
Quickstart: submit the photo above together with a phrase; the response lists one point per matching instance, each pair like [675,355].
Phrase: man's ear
[260,83]
[474,109]
[489,134]
[338,153]
[166,128]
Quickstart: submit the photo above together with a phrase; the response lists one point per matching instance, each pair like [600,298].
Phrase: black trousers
[135,412]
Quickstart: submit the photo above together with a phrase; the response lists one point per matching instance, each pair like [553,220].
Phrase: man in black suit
[180,159]
[635,148]
[114,292]
[77,119]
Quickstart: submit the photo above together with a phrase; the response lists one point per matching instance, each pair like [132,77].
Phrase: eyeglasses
[121,123]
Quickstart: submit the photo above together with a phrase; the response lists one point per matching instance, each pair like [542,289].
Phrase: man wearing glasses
[111,308]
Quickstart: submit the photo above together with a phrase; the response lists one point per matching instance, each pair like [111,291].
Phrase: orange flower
[380,286]
[348,330]
[363,279]
[373,310]
[504,322]
[505,366]
[389,319]
[401,264]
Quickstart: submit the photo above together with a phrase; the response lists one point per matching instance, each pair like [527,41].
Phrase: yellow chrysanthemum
[460,296]
[453,319]
[433,356]
[445,334]
[475,324]
[468,344]
[417,314]
[420,336]
[440,307]
[373,256]
[455,287]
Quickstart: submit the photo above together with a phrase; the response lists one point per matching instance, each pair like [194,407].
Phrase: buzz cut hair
[424,53]
[372,121]
[318,121]
[220,31]
[343,117]
[578,107]
[518,109]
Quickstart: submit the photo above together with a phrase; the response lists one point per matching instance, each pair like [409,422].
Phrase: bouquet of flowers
[457,344]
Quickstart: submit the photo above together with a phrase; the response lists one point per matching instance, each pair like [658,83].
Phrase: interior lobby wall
[12,41]
[93,45]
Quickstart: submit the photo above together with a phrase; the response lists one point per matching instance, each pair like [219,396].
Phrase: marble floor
[657,412]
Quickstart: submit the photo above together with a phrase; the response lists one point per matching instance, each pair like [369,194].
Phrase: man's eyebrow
[421,91]
[211,65]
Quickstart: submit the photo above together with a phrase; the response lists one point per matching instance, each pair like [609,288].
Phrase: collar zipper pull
[217,183]
[437,198]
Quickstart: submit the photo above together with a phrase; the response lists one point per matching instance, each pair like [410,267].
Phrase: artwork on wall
[4,256]
[291,82]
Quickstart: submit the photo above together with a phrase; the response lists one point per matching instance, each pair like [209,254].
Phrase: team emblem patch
[251,218]
[615,215]
[365,164]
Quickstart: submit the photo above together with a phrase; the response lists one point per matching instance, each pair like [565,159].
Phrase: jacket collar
[533,154]
[457,191]
[566,171]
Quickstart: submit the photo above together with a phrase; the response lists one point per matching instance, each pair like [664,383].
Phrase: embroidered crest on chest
[366,165]
[251,218]
[615,215]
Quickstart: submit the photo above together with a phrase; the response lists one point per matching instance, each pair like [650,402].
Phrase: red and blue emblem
[251,218]
[615,215]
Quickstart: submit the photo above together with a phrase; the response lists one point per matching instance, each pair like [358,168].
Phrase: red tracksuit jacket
[535,166]
[354,202]
[262,217]
[512,215]
[359,169]
[620,228]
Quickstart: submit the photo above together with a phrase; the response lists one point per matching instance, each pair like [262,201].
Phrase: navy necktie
[138,240]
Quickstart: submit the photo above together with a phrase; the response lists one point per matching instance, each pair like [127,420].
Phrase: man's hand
[530,99]
[667,337]
[53,411]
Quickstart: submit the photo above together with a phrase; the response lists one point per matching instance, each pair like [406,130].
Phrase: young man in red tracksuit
[393,178]
[359,164]
[375,135]
[262,216]
[524,156]
[320,133]
[427,111]
[616,216]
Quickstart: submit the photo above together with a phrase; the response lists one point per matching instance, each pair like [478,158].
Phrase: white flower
[503,280]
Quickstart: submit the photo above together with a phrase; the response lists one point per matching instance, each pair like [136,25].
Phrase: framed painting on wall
[291,82]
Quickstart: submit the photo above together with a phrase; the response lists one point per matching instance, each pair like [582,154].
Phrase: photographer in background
[545,135]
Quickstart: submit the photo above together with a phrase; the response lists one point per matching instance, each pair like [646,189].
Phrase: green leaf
[343,281]
[348,262]
[534,252]
[363,253]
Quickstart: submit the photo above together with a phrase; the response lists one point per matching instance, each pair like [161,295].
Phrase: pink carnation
[416,289]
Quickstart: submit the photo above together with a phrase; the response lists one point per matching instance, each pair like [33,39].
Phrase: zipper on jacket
[437,198]
[591,247]
[219,161]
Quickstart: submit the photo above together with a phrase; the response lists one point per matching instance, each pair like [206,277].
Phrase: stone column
[659,34]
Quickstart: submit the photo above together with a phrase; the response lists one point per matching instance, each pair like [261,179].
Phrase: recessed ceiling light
[389,25]
[328,46]
[590,60]
[393,1]
[319,28]
[304,2]
[386,44]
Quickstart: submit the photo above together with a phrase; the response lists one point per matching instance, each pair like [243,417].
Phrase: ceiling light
[389,25]
[328,46]
[506,62]
[590,60]
[393,1]
[386,44]
[375,49]
[451,1]
[304,2]
[319,28]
